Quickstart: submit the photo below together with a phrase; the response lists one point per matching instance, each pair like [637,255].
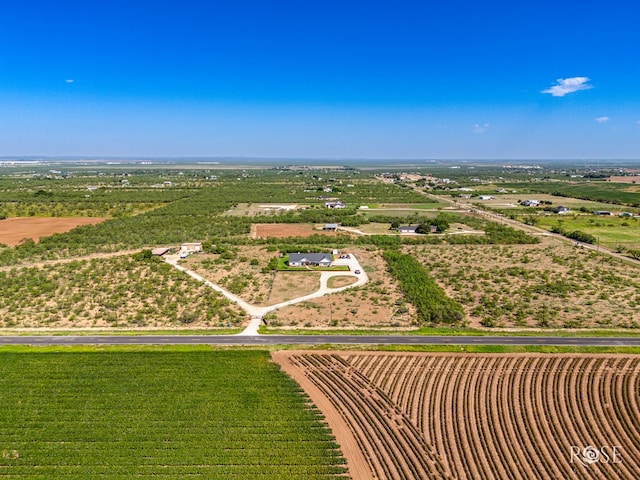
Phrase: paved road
[315,340]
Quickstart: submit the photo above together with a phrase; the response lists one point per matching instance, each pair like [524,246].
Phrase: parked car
[357,272]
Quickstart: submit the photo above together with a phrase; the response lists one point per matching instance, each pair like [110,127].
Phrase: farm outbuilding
[561,210]
[192,247]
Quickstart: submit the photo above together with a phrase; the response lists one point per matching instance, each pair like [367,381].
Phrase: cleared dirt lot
[283,230]
[14,230]
[415,415]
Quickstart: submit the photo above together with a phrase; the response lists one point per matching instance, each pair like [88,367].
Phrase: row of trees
[432,304]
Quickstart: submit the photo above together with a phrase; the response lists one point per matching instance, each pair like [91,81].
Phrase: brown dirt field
[283,230]
[488,416]
[341,281]
[289,285]
[14,230]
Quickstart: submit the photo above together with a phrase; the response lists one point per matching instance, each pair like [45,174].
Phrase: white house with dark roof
[310,259]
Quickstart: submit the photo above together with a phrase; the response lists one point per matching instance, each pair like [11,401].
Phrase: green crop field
[597,191]
[166,414]
[610,231]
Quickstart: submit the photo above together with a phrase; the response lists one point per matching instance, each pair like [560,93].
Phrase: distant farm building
[561,210]
[191,247]
[530,203]
[486,197]
[310,259]
[331,227]
[603,213]
[334,204]
[407,228]
[160,251]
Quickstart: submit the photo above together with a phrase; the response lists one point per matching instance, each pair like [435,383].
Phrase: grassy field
[611,231]
[162,413]
[511,200]
[597,191]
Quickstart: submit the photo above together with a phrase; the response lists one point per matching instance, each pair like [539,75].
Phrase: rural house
[310,259]
[407,229]
[331,227]
[334,205]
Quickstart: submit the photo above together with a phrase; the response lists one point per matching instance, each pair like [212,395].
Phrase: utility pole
[330,313]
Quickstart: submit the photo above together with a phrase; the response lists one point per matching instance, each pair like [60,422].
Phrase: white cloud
[69,80]
[565,86]
[602,119]
[480,128]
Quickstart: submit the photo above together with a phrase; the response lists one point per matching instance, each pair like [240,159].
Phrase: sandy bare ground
[14,230]
[489,416]
[283,230]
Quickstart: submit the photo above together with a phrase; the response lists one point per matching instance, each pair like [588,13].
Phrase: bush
[582,237]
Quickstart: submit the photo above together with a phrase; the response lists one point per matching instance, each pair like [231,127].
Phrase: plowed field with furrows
[520,416]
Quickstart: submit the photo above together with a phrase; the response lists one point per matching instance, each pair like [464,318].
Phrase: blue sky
[339,79]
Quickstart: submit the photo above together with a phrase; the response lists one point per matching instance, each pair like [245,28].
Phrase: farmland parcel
[157,414]
[465,416]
